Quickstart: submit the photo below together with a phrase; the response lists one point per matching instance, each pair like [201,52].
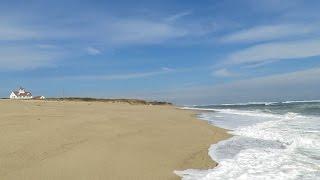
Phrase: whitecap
[265,146]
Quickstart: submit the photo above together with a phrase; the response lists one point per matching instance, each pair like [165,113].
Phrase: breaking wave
[268,143]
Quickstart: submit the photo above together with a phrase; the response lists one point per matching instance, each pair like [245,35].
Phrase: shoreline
[223,131]
[220,134]
[99,140]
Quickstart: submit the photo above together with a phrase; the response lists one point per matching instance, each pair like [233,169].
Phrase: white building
[21,94]
[39,97]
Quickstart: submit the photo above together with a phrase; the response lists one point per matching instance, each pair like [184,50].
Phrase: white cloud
[47,46]
[93,51]
[167,69]
[297,85]
[137,31]
[272,6]
[269,32]
[16,32]
[27,45]
[303,77]
[178,16]
[119,76]
[223,73]
[19,57]
[21,29]
[108,30]
[274,52]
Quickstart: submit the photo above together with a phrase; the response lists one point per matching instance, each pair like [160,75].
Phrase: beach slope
[66,140]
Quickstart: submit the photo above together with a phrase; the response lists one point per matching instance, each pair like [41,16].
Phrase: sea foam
[265,146]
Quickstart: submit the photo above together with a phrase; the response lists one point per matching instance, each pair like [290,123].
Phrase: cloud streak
[20,57]
[299,85]
[178,16]
[8,32]
[138,31]
[93,51]
[277,51]
[127,76]
[269,32]
[109,32]
[223,73]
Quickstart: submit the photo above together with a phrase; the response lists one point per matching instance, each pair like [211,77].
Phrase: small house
[39,97]
[21,94]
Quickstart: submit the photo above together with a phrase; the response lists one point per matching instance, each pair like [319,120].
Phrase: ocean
[273,140]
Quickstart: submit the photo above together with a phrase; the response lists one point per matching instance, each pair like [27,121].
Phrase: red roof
[22,94]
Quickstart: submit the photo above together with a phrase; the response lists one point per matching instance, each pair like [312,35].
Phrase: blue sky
[187,52]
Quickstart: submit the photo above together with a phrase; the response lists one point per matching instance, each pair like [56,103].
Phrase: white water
[265,146]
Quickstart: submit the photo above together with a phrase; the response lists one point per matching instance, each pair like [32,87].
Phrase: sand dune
[53,140]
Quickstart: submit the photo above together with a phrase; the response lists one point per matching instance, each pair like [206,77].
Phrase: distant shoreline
[120,100]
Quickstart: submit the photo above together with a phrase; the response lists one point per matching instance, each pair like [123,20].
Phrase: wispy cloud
[34,49]
[12,30]
[13,33]
[19,57]
[223,73]
[269,32]
[138,31]
[118,31]
[297,85]
[124,76]
[178,16]
[167,69]
[274,52]
[272,6]
[93,51]
[23,28]
[47,46]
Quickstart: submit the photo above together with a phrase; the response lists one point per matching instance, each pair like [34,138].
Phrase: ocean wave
[195,108]
[255,113]
[266,103]
[256,164]
[302,101]
[265,146]
[233,111]
[236,104]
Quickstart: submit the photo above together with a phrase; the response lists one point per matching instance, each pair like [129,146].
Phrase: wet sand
[51,140]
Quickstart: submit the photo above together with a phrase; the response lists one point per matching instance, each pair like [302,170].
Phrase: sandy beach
[53,140]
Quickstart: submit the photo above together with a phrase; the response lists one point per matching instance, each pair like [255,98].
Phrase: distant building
[21,94]
[39,97]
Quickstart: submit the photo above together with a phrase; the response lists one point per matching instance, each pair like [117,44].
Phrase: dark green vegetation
[129,101]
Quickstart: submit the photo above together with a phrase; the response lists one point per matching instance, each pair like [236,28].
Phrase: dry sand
[52,140]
